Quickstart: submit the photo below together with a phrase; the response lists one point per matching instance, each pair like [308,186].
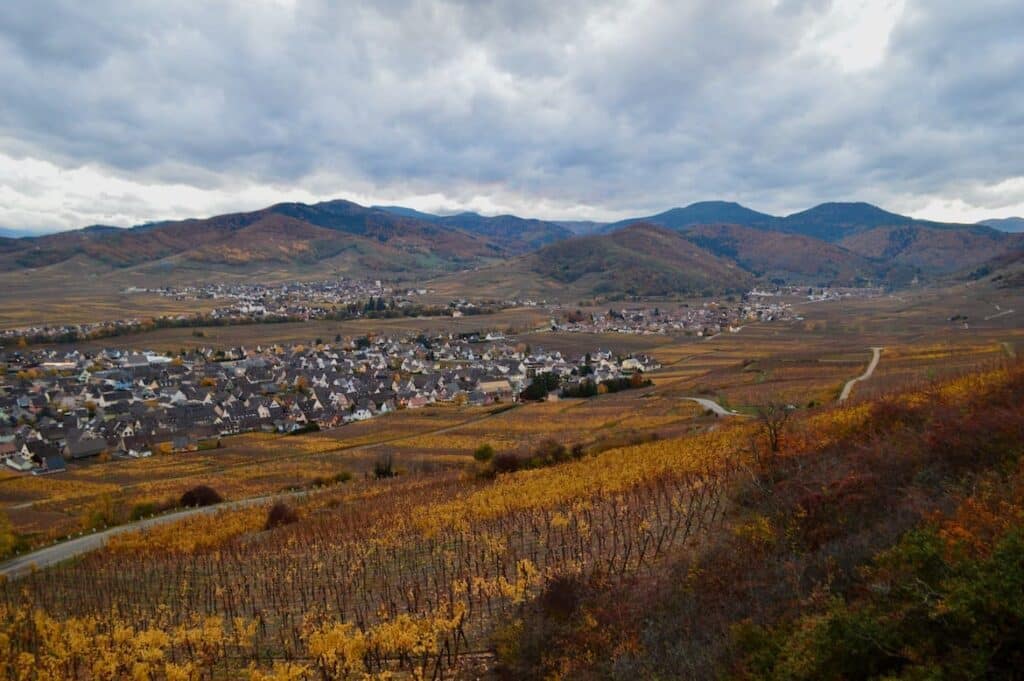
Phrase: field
[251,335]
[804,363]
[416,573]
[420,574]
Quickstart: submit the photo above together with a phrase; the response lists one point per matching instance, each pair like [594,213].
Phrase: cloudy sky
[121,112]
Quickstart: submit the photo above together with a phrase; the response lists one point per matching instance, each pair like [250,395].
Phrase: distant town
[340,299]
[346,299]
[704,320]
[60,405]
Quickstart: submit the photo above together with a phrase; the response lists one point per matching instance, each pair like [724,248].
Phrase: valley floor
[459,561]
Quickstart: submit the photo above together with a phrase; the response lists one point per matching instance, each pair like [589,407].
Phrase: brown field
[257,464]
[250,335]
[444,549]
[78,304]
[804,363]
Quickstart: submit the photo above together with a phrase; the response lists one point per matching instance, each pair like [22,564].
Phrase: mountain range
[711,245]
[1005,224]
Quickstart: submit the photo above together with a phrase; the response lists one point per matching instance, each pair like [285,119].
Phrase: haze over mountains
[1005,224]
[711,245]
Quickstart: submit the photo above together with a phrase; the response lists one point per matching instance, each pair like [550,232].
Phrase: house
[184,443]
[19,462]
[136,447]
[417,401]
[37,450]
[496,388]
[632,364]
[478,398]
[52,464]
[85,447]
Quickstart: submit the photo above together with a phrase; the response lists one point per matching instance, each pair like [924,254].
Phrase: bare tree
[773,417]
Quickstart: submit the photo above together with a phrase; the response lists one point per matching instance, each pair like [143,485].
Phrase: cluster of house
[819,293]
[708,319]
[58,406]
[327,291]
[246,303]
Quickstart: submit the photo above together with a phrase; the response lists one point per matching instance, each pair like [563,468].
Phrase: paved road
[51,555]
[877,354]
[713,406]
[998,314]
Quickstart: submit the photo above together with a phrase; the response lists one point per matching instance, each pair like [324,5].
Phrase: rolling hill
[701,213]
[356,238]
[787,257]
[712,245]
[516,234]
[835,242]
[641,259]
[1005,224]
[933,250]
[835,221]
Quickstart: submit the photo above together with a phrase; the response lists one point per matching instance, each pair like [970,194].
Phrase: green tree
[484,453]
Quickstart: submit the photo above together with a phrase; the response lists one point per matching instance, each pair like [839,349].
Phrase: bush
[280,514]
[102,512]
[561,597]
[506,462]
[384,467]
[548,453]
[484,453]
[200,495]
[343,476]
[8,538]
[143,510]
[541,385]
[530,647]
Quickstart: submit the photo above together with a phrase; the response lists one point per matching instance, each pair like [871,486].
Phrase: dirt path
[877,354]
[713,406]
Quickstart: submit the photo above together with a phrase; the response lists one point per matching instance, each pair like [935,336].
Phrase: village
[59,407]
[704,320]
[339,299]
[326,291]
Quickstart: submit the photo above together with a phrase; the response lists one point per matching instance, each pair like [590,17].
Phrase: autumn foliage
[679,556]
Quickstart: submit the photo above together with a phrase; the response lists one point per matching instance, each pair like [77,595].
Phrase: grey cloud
[610,104]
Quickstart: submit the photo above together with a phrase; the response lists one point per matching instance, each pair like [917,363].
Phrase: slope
[700,213]
[641,259]
[932,249]
[792,258]
[290,234]
[1005,224]
[513,233]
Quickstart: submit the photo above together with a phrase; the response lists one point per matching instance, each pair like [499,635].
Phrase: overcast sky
[122,112]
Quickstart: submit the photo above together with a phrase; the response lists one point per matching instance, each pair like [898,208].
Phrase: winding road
[997,315]
[713,406]
[65,550]
[51,555]
[843,396]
